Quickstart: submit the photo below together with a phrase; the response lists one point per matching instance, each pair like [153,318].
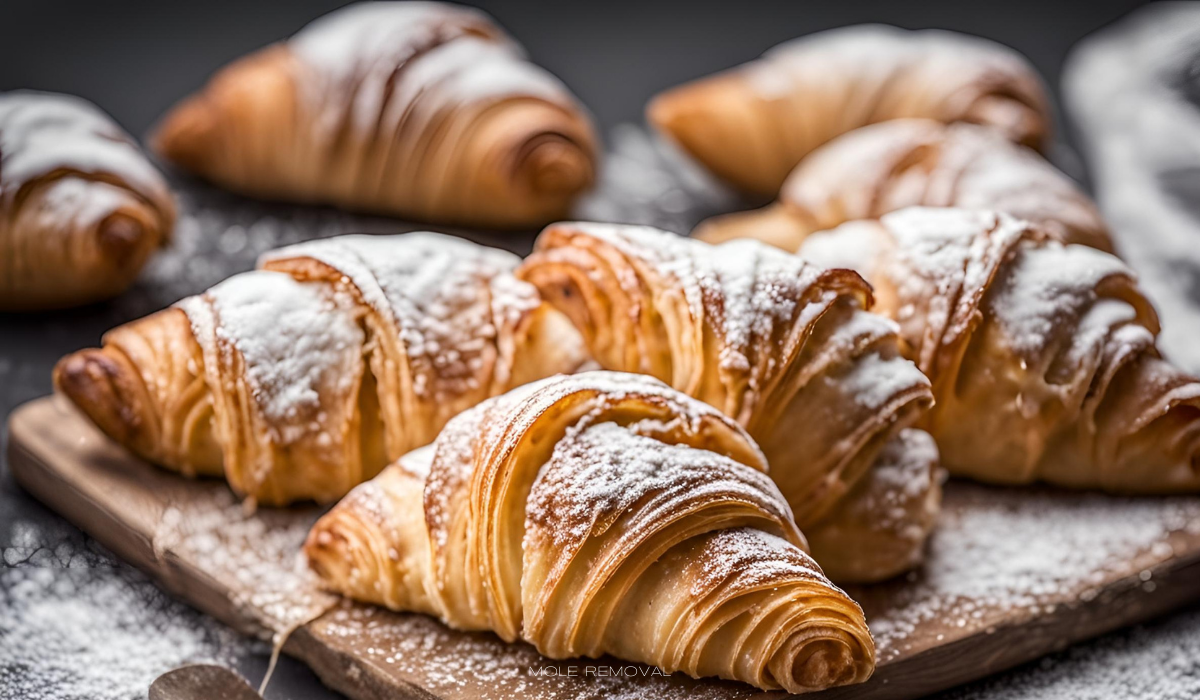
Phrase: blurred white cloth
[1133,89]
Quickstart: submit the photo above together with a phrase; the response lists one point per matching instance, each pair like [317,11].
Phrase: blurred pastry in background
[752,124]
[81,208]
[917,162]
[423,110]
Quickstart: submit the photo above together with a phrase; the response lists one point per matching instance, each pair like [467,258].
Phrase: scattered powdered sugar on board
[1027,551]
[257,555]
[96,634]
[479,665]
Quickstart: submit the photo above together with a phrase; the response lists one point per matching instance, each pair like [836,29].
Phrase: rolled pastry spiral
[885,167]
[785,348]
[1042,355]
[81,209]
[420,109]
[752,124]
[600,513]
[302,379]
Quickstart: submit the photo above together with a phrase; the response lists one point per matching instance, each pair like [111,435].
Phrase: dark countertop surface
[76,623]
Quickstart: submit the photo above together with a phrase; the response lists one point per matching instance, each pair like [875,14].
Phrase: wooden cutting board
[1012,574]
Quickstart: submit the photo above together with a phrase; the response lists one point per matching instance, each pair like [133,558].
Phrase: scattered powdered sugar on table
[96,634]
[645,179]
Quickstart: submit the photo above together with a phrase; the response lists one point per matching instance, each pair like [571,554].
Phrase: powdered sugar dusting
[41,133]
[409,61]
[1002,553]
[755,557]
[1154,662]
[880,58]
[1050,288]
[106,634]
[518,410]
[420,650]
[443,296]
[854,245]
[257,555]
[874,379]
[596,475]
[752,293]
[944,261]
[296,338]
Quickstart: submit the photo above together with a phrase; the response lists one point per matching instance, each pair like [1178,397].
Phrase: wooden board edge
[347,673]
[1117,604]
[178,578]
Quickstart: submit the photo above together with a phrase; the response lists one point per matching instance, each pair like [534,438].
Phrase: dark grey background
[136,58]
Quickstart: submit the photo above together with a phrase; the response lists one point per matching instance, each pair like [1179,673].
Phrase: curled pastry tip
[184,134]
[661,110]
[674,107]
[98,380]
[673,111]
[338,548]
[328,552]
[121,235]
[879,530]
[554,164]
[196,130]
[677,111]
[805,666]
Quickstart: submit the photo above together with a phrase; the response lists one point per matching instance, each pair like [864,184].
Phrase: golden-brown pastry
[80,206]
[305,378]
[917,162]
[879,529]
[420,109]
[752,124]
[784,347]
[600,513]
[1042,356]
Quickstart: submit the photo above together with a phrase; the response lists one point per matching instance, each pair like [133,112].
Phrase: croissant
[1042,355]
[917,162]
[785,348]
[752,124]
[600,513]
[300,380]
[420,109]
[81,209]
